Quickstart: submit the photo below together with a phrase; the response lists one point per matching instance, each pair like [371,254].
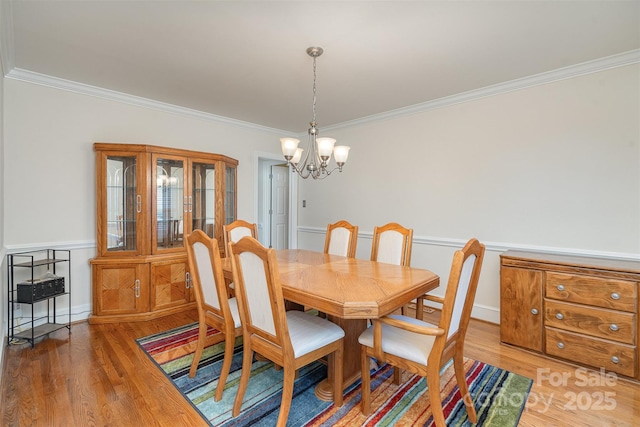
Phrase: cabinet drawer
[598,322]
[599,353]
[597,291]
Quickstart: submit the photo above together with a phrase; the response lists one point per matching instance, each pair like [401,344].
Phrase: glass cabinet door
[203,198]
[171,205]
[230,195]
[123,203]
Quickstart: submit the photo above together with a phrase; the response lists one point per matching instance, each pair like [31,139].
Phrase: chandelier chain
[314,89]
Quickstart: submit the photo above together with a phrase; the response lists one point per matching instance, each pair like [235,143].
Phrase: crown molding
[111,95]
[614,61]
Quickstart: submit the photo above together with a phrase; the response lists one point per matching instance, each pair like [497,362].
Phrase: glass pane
[204,200]
[121,203]
[170,203]
[229,199]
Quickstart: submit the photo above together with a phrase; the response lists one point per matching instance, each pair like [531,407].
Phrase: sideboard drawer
[598,322]
[596,291]
[615,357]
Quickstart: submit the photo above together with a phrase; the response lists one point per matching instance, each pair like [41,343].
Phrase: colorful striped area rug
[499,396]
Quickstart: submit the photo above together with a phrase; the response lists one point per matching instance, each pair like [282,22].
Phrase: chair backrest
[392,244]
[237,230]
[259,292]
[205,265]
[341,239]
[461,290]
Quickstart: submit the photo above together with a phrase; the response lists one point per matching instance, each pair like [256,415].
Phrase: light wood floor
[98,376]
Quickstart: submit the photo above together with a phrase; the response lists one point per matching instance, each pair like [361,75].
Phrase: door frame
[259,185]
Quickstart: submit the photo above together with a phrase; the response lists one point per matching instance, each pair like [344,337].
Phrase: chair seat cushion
[308,332]
[408,345]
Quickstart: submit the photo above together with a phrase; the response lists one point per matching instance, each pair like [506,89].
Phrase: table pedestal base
[350,357]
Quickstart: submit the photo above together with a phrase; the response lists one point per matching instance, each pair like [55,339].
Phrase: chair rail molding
[70,245]
[494,246]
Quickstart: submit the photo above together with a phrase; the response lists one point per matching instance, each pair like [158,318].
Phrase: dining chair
[291,339]
[215,308]
[392,244]
[423,348]
[237,230]
[232,233]
[341,239]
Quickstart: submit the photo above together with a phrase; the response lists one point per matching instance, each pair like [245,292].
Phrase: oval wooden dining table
[350,291]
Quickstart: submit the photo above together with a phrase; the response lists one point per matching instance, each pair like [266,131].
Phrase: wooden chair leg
[226,366]
[397,375]
[202,335]
[458,366]
[247,361]
[419,308]
[338,390]
[287,395]
[366,382]
[433,383]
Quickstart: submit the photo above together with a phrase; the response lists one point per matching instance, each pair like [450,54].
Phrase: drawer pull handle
[615,359]
[559,316]
[534,311]
[561,288]
[614,327]
[615,296]
[560,345]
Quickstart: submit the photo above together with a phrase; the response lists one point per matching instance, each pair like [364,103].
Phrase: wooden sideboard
[580,309]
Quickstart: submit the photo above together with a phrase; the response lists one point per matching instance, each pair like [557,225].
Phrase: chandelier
[315,163]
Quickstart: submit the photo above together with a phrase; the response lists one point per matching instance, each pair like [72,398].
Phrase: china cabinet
[583,310]
[148,199]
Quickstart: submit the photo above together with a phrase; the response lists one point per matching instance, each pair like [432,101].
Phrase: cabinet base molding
[142,317]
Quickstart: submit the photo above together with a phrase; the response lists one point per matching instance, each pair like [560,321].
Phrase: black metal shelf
[49,313]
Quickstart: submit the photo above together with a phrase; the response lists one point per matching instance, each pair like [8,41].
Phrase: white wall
[553,167]
[50,165]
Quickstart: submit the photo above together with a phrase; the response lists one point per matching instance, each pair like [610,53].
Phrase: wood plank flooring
[97,376]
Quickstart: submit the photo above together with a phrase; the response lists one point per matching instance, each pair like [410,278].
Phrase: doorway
[274,204]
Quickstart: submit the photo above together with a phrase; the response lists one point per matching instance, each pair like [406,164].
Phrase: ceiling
[246,60]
